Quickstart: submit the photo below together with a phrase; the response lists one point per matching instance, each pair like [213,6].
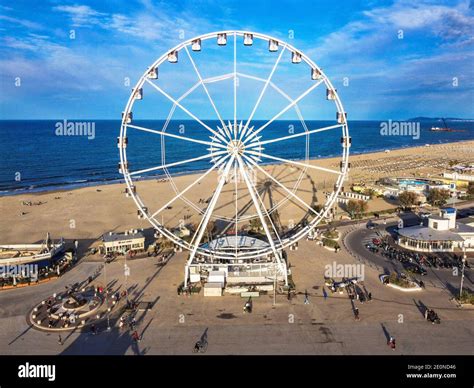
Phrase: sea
[34,158]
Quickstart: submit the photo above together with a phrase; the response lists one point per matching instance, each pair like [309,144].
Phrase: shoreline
[86,213]
[60,188]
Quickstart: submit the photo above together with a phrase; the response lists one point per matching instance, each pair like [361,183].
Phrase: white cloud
[81,15]
[21,22]
[379,27]
[446,22]
[151,25]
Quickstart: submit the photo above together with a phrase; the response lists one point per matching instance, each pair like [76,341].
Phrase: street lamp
[106,293]
[455,177]
[126,272]
[462,270]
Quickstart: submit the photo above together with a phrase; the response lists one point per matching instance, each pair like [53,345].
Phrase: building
[122,243]
[235,264]
[439,233]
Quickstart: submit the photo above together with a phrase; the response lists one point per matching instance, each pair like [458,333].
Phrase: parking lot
[442,269]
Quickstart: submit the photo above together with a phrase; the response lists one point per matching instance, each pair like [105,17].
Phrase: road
[357,239]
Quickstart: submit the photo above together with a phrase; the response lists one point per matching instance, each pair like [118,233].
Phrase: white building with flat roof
[442,233]
[122,243]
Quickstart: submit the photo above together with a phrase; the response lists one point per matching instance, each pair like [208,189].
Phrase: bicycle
[200,347]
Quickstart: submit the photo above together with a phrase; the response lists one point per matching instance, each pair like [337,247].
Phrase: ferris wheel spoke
[207,215]
[177,103]
[189,187]
[204,86]
[298,135]
[257,201]
[235,80]
[277,89]
[236,205]
[144,129]
[291,193]
[289,161]
[293,103]
[254,195]
[267,82]
[165,166]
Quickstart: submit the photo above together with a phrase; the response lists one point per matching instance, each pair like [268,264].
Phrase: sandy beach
[87,213]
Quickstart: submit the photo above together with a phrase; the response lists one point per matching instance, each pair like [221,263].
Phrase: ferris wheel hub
[236,147]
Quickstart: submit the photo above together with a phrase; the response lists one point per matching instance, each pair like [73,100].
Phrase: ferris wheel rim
[286,241]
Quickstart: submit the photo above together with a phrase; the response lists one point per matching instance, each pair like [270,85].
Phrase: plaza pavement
[325,326]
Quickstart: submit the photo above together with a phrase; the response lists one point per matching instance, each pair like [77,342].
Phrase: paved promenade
[175,323]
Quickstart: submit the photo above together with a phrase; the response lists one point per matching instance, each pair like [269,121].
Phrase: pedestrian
[289,295]
[248,306]
[306,299]
[391,343]
[60,340]
[135,336]
[356,313]
[325,294]
[369,296]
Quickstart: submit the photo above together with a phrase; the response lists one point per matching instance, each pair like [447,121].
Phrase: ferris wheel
[237,153]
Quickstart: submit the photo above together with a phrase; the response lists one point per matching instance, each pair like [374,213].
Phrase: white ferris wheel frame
[224,162]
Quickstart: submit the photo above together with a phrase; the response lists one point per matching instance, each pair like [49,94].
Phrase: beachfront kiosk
[122,243]
[439,233]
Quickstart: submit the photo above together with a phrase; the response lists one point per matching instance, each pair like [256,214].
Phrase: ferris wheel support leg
[207,215]
[278,260]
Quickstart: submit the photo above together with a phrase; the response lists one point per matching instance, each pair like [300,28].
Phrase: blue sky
[358,41]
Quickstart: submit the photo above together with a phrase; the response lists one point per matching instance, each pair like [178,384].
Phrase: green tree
[438,197]
[407,199]
[470,189]
[255,224]
[356,207]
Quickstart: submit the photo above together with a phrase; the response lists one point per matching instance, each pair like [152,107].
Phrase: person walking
[60,340]
[325,294]
[248,306]
[356,313]
[135,336]
[306,298]
[391,343]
